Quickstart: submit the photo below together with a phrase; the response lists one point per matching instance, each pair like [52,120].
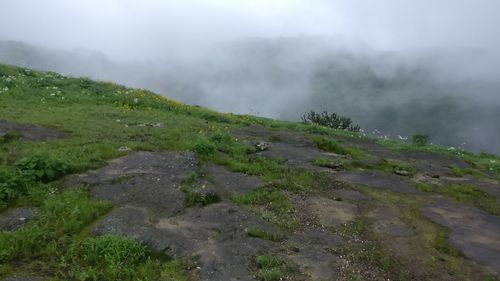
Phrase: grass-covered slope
[93,122]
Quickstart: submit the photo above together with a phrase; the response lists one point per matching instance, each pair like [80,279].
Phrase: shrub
[12,185]
[201,198]
[332,120]
[420,139]
[204,148]
[42,167]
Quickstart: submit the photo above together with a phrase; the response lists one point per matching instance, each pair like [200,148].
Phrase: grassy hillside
[101,121]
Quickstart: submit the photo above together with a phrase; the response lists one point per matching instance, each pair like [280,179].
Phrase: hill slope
[452,95]
[103,182]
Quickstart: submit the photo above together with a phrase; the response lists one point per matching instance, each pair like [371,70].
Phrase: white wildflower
[493,161]
[136,100]
[451,148]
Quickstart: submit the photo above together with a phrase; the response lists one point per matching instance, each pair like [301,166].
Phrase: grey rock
[14,219]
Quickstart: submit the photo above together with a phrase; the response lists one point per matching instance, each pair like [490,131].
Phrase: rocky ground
[146,190]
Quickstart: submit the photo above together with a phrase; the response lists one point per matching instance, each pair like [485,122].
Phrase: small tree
[332,120]
[420,139]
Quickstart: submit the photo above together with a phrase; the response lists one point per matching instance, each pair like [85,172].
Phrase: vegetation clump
[273,268]
[420,139]
[330,120]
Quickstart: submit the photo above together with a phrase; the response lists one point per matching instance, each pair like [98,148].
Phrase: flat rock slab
[14,219]
[492,187]
[388,223]
[331,213]
[144,179]
[474,232]
[314,253]
[295,148]
[264,134]
[30,132]
[231,183]
[217,234]
[438,159]
[379,180]
[395,228]
[351,195]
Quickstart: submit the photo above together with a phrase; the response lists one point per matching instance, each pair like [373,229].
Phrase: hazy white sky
[148,28]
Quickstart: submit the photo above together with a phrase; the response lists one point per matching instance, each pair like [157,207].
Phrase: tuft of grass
[388,166]
[330,145]
[110,251]
[273,268]
[200,198]
[357,228]
[442,244]
[262,234]
[420,139]
[467,194]
[425,187]
[271,204]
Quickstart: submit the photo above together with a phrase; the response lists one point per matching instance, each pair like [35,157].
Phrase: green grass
[200,198]
[262,234]
[465,193]
[482,164]
[442,244]
[90,111]
[101,117]
[388,166]
[271,204]
[330,145]
[273,268]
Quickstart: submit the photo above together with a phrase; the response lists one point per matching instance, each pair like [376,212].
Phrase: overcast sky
[150,28]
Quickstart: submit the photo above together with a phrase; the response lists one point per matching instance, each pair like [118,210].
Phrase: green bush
[332,120]
[204,148]
[42,167]
[12,185]
[420,139]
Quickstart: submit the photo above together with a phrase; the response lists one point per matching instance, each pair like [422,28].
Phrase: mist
[398,67]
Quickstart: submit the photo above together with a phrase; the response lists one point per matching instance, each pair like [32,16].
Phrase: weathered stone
[14,219]
[379,180]
[474,232]
[30,132]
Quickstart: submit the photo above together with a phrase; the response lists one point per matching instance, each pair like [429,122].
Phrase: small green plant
[425,187]
[420,139]
[272,205]
[358,227]
[441,243]
[330,145]
[198,198]
[204,148]
[110,250]
[330,120]
[262,234]
[9,137]
[273,268]
[42,167]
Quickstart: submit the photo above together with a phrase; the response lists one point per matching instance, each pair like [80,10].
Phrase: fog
[401,67]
